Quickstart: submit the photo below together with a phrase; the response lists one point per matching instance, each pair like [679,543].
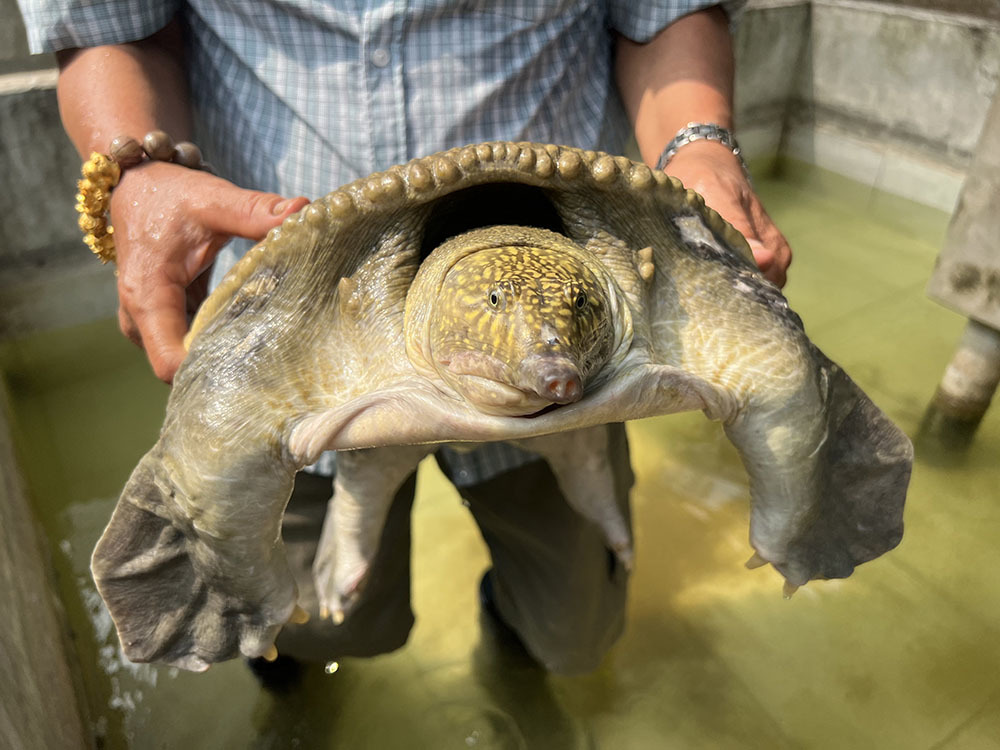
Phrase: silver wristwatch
[696,131]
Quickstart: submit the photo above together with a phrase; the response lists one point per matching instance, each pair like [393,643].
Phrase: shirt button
[380,57]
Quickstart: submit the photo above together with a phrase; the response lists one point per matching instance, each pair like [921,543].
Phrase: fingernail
[281,206]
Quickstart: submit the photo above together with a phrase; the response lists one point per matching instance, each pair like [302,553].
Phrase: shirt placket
[382,62]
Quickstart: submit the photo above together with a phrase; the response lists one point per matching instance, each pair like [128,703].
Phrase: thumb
[761,253]
[769,262]
[248,213]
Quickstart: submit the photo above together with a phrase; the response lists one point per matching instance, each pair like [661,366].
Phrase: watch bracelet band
[696,131]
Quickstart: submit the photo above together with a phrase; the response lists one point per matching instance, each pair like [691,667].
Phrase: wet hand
[170,223]
[713,171]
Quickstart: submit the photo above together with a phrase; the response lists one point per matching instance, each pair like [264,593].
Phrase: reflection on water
[901,655]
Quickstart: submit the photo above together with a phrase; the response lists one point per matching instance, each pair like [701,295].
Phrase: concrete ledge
[876,164]
[70,292]
[894,96]
[21,81]
[38,708]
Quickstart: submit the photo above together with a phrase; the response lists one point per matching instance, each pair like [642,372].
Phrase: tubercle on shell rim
[430,177]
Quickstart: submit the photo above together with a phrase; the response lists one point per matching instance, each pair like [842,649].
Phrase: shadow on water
[504,704]
[293,718]
[945,440]
[520,689]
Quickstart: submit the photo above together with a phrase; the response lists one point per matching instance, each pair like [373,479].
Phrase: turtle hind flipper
[168,590]
[828,473]
[865,469]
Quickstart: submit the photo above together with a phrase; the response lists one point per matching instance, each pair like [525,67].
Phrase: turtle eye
[581,300]
[496,299]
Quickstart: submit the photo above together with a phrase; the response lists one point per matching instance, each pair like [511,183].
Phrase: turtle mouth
[543,411]
[475,365]
[540,384]
[498,398]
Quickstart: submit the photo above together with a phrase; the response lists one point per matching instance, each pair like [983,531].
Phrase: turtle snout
[555,379]
[563,388]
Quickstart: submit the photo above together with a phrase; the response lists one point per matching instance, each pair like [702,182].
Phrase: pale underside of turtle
[499,291]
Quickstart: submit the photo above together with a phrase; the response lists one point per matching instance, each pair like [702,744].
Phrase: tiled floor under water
[904,654]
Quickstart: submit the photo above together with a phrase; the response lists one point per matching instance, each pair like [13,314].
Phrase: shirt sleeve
[53,25]
[640,22]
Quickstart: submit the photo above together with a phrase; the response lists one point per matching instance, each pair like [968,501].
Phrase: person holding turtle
[296,98]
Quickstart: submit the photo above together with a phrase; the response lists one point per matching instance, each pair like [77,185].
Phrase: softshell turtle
[498,291]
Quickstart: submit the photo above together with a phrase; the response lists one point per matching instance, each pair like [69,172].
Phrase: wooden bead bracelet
[101,173]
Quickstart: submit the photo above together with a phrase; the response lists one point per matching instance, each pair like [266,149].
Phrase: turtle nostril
[563,389]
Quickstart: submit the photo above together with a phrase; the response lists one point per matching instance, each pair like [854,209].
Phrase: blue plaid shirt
[298,97]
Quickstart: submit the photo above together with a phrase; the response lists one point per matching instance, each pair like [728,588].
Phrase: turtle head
[518,323]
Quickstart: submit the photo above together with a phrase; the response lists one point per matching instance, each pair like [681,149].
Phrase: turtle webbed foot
[579,459]
[172,600]
[858,519]
[340,571]
[862,471]
[363,491]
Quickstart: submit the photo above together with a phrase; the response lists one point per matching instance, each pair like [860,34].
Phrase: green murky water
[902,655]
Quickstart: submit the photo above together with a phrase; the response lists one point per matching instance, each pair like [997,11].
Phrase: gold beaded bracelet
[101,173]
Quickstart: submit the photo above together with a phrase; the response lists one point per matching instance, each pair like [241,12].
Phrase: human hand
[712,170]
[170,222]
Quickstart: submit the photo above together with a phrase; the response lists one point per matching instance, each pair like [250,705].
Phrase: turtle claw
[788,589]
[625,556]
[336,616]
[757,560]
[299,616]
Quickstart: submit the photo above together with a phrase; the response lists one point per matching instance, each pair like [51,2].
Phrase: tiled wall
[885,92]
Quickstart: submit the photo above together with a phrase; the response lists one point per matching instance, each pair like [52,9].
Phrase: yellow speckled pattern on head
[500,299]
[545,287]
[510,302]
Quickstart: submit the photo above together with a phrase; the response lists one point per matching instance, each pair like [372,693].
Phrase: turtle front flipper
[828,470]
[820,511]
[196,575]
